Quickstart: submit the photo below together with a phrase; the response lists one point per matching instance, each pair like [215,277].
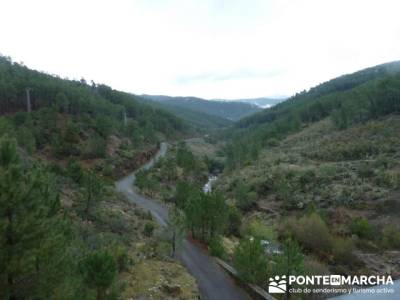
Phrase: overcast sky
[205,48]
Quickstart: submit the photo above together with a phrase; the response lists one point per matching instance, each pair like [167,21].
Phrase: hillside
[230,110]
[322,168]
[65,232]
[196,120]
[351,99]
[307,102]
[72,119]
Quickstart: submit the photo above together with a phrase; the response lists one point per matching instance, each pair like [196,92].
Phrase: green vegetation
[100,271]
[289,262]
[352,99]
[200,122]
[33,233]
[206,215]
[250,261]
[324,166]
[175,176]
[362,228]
[227,110]
[64,232]
[72,119]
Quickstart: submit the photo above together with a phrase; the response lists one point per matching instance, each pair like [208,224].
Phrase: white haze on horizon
[225,49]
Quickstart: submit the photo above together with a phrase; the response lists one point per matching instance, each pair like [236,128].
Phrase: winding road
[213,282]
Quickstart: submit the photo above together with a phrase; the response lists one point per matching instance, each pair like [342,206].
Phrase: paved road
[213,282]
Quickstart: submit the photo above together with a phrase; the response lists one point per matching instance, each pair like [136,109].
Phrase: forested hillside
[64,231]
[348,100]
[322,170]
[230,110]
[196,120]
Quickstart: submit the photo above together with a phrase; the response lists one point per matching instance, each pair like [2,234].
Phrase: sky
[206,48]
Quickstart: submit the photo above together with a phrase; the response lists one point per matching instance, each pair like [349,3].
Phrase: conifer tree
[32,235]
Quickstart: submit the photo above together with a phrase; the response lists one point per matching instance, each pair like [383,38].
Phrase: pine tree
[92,192]
[290,262]
[100,270]
[250,261]
[32,235]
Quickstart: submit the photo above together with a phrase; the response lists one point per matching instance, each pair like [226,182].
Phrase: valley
[199,150]
[308,186]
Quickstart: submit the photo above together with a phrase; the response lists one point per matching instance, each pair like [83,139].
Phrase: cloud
[235,75]
[205,48]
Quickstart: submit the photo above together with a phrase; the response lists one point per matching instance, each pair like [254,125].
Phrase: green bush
[245,199]
[74,171]
[260,231]
[391,237]
[313,233]
[26,139]
[307,177]
[148,229]
[343,252]
[121,257]
[216,247]
[362,228]
[95,147]
[234,221]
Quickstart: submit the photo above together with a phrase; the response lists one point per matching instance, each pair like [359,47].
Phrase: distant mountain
[197,120]
[230,110]
[262,102]
[321,100]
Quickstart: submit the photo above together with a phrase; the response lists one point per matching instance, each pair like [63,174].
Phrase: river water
[207,188]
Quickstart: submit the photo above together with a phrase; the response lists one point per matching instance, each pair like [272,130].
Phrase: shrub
[148,229]
[362,228]
[216,247]
[74,171]
[260,231]
[312,232]
[245,199]
[391,237]
[95,147]
[306,178]
[20,118]
[272,142]
[26,139]
[234,221]
[343,252]
[121,257]
[365,171]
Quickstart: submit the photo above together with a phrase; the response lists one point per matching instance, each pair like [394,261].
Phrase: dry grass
[155,279]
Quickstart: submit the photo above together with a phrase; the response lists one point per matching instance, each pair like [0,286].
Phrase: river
[207,188]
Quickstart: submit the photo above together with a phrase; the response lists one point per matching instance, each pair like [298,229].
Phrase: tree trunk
[173,244]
